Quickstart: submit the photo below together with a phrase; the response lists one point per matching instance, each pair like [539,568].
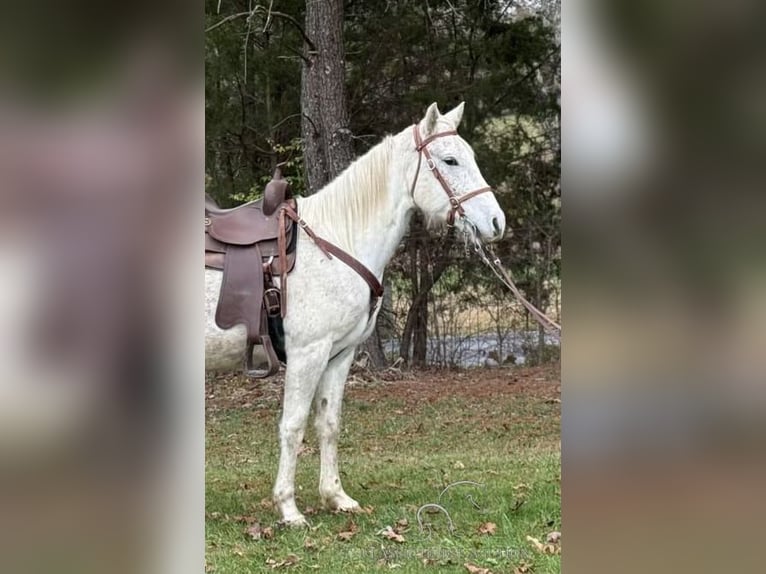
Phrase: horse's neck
[372,232]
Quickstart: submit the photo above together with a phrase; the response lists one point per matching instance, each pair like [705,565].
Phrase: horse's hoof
[343,503]
[298,521]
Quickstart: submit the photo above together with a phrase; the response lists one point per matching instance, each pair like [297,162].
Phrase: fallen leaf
[458,465]
[267,533]
[473,569]
[553,537]
[254,531]
[488,528]
[401,524]
[288,561]
[306,450]
[523,568]
[310,511]
[310,544]
[391,534]
[246,519]
[349,532]
[544,548]
[266,503]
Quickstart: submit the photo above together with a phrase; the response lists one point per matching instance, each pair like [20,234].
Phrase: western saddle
[252,244]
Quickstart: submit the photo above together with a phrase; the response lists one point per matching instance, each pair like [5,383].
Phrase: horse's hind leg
[327,404]
[301,378]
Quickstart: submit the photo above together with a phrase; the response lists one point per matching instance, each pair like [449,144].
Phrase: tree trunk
[324,125]
[327,148]
[424,272]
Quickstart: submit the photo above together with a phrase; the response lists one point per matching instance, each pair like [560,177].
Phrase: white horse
[365,211]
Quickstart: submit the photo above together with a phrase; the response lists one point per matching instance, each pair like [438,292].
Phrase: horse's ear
[454,116]
[429,121]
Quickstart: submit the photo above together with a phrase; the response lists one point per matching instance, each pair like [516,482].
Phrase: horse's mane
[352,200]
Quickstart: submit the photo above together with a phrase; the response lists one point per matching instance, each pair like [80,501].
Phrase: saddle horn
[276,192]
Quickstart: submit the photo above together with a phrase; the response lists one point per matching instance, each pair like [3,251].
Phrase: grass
[402,443]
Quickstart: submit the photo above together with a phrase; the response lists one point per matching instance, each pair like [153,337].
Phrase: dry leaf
[349,532]
[473,569]
[309,544]
[310,511]
[458,465]
[266,503]
[289,561]
[523,568]
[246,519]
[267,533]
[402,526]
[488,528]
[306,450]
[553,537]
[544,548]
[254,531]
[391,534]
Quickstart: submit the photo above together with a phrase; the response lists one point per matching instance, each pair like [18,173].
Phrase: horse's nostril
[496,226]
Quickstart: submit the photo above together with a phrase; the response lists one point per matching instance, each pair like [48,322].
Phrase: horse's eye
[450,161]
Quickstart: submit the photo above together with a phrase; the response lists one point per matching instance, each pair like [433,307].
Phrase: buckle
[272,301]
[430,164]
[207,222]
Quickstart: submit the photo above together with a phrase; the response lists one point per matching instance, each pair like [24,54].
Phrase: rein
[494,263]
[421,146]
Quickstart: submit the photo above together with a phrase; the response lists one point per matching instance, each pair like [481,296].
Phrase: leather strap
[375,287]
[455,201]
[329,249]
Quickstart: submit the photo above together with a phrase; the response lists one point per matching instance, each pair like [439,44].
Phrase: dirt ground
[233,390]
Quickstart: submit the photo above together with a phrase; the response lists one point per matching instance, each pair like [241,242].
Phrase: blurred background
[101,138]
[663,362]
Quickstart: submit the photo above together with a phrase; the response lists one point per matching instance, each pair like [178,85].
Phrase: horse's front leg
[327,404]
[301,377]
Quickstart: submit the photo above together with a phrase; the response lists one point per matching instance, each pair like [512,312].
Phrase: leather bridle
[421,146]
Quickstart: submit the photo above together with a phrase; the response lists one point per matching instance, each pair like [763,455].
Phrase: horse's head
[449,187]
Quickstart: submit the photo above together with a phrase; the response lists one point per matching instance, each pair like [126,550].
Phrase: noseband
[421,146]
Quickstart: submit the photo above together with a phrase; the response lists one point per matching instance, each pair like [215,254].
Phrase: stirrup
[272,362]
